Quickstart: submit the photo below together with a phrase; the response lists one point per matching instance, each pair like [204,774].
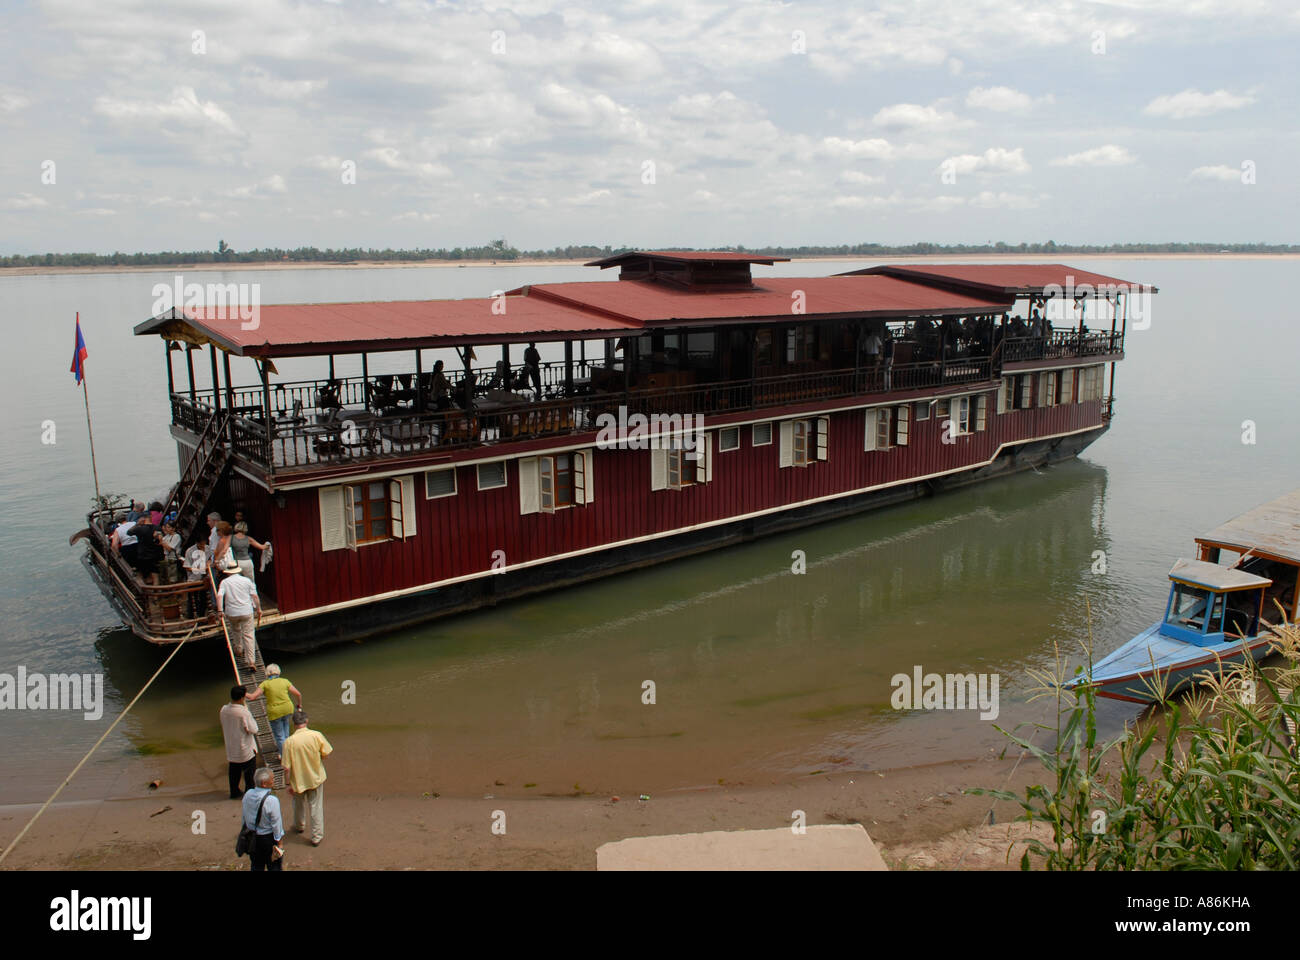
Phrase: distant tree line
[500,250]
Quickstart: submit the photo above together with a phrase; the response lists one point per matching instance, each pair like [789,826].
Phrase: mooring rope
[68,778]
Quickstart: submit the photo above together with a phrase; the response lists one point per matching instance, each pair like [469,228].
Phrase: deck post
[216,382]
[568,368]
[331,366]
[469,383]
[266,409]
[230,394]
[230,387]
[419,377]
[189,366]
[365,379]
[167,355]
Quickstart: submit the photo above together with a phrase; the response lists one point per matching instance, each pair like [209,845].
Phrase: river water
[759,674]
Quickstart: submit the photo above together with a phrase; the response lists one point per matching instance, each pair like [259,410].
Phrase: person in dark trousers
[240,732]
[262,816]
[533,369]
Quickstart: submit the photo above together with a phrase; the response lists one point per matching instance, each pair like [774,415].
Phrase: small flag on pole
[79,354]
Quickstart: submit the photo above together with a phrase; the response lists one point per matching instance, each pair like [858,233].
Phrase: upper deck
[679,333]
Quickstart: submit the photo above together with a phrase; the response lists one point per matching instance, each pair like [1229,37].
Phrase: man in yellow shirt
[303,758]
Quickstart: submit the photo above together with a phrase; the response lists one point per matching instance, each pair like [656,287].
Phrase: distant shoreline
[578,261]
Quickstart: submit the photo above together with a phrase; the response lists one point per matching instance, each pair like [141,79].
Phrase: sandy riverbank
[918,816]
[390,265]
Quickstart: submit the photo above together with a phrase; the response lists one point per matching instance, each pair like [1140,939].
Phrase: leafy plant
[1222,794]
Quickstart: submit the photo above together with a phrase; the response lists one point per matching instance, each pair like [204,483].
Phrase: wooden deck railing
[167,611]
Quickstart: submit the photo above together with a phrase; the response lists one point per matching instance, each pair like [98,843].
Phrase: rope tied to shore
[68,779]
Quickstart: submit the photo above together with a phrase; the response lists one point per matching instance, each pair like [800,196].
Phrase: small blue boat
[1212,623]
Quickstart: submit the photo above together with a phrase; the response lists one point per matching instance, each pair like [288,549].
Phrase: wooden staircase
[200,477]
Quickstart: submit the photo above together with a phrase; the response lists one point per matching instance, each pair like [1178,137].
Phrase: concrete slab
[828,847]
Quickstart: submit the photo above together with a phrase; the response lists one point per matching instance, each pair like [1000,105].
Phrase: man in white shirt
[237,601]
[240,732]
[214,538]
[124,542]
[196,568]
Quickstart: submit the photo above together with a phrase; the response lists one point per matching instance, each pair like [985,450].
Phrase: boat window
[1187,608]
[1216,615]
[1243,609]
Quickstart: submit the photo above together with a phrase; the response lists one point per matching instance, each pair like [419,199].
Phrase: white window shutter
[658,469]
[705,441]
[786,458]
[529,500]
[981,411]
[1002,395]
[869,438]
[396,518]
[349,518]
[408,506]
[333,524]
[546,483]
[588,459]
[823,429]
[904,420]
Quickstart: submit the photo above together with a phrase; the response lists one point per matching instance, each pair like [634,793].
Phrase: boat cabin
[1209,604]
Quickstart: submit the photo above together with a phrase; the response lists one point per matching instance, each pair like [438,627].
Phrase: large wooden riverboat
[695,406]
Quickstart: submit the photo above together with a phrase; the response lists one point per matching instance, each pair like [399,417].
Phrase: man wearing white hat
[237,601]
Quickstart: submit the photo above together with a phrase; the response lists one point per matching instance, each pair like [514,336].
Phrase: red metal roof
[308,329]
[644,301]
[1023,279]
[687,255]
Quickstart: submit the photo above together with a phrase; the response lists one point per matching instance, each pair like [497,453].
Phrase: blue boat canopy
[1212,576]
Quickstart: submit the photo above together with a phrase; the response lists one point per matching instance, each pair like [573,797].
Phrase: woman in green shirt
[282,698]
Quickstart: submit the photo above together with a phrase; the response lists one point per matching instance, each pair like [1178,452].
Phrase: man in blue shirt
[267,852]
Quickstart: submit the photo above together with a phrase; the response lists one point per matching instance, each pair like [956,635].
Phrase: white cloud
[859,203]
[910,115]
[25,201]
[857,176]
[1004,99]
[987,199]
[272,185]
[278,88]
[1108,155]
[874,149]
[1220,172]
[184,108]
[392,158]
[992,160]
[1193,103]
[12,102]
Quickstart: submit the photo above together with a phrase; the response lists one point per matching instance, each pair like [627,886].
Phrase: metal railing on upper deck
[302,436]
[1061,344]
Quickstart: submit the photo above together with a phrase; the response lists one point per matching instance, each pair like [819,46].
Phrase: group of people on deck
[147,540]
[435,387]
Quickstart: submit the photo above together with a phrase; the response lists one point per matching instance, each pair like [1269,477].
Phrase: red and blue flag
[79,354]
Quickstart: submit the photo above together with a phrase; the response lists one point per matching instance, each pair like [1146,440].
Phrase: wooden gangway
[250,678]
[265,739]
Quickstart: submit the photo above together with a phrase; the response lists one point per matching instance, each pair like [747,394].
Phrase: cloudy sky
[140,125]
